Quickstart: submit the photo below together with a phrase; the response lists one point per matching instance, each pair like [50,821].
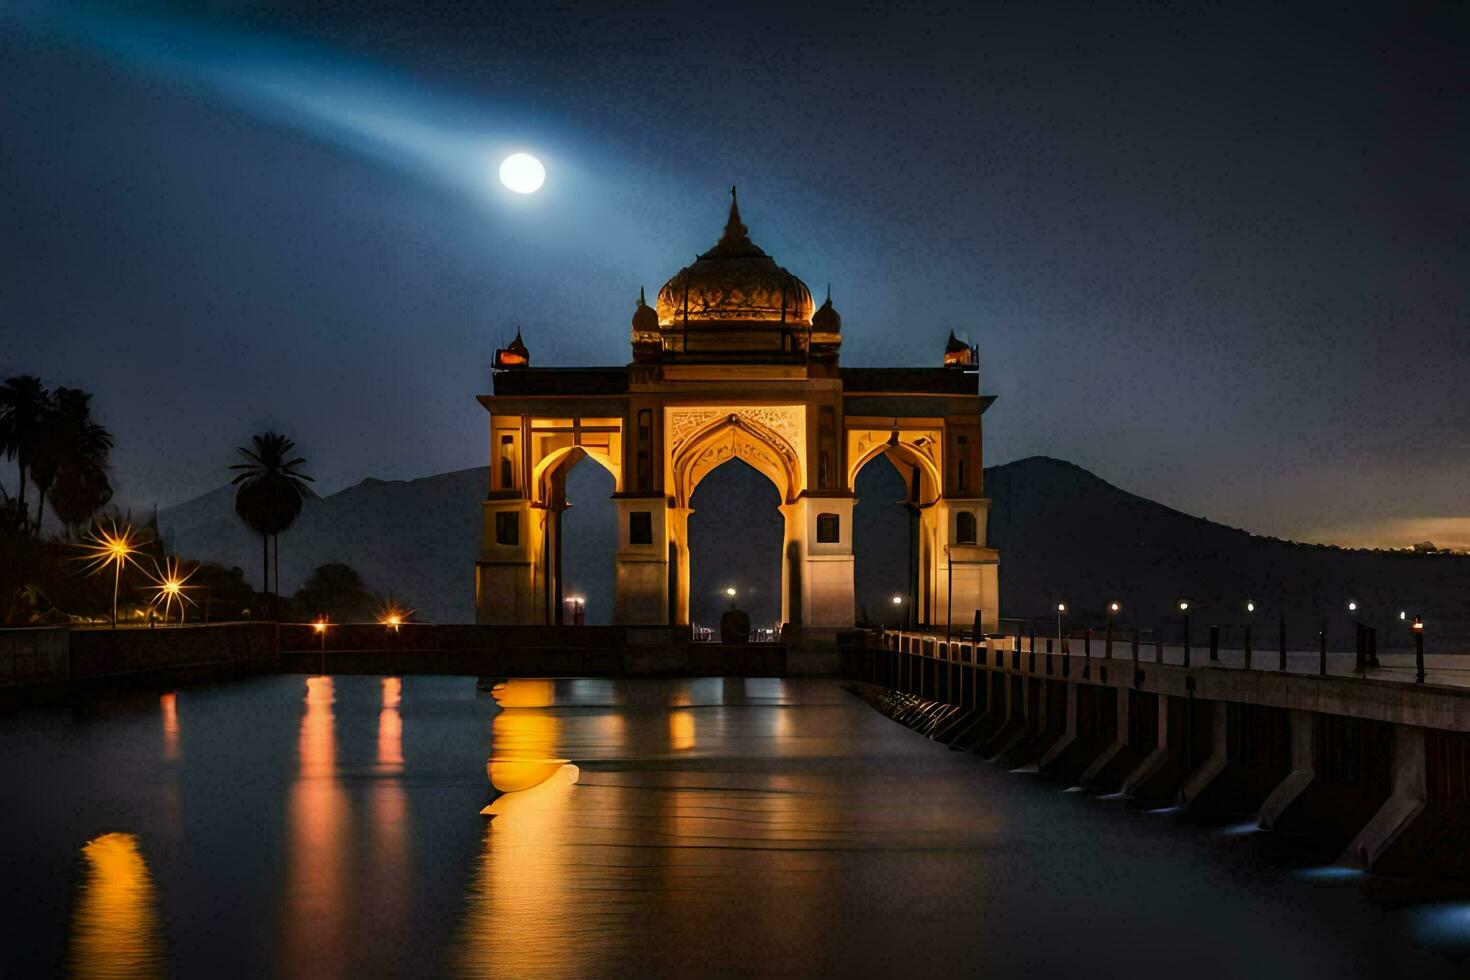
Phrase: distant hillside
[1062,533]
[418,539]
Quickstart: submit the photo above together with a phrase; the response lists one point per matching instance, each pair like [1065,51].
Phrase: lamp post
[1418,628]
[1184,611]
[1250,611]
[1114,608]
[898,608]
[1061,611]
[730,592]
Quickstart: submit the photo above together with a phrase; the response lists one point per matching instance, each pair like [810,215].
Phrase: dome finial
[734,229]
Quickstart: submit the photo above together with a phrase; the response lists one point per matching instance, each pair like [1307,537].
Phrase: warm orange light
[392,617]
[171,585]
[320,625]
[1418,626]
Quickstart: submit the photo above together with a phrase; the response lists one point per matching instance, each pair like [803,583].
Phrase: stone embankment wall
[1378,771]
[58,656]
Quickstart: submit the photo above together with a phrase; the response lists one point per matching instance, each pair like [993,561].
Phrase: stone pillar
[507,581]
[1303,769]
[1402,807]
[965,573]
[641,588]
[825,567]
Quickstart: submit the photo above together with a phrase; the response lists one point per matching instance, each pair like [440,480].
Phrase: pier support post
[1303,769]
[1404,804]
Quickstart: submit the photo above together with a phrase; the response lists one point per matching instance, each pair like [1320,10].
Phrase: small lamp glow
[1403,615]
[1061,607]
[1250,607]
[730,592]
[1418,626]
[898,600]
[1352,606]
[1183,606]
[1114,607]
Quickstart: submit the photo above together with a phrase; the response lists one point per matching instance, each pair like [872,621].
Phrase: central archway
[716,440]
[737,539]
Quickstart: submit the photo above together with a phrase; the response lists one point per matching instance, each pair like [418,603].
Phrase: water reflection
[114,925]
[167,703]
[316,897]
[390,726]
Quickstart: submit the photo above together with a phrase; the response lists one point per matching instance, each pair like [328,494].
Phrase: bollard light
[1418,626]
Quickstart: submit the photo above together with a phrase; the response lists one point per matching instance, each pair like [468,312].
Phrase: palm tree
[24,403]
[70,462]
[270,494]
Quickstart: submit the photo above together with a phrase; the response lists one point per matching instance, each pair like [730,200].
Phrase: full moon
[522,173]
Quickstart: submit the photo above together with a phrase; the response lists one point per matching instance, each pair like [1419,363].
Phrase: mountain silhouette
[1063,533]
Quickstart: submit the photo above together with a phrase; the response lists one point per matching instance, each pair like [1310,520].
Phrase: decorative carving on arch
[784,420]
[736,435]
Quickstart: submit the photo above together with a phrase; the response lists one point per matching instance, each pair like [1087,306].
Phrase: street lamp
[1114,608]
[1061,611]
[1250,609]
[1418,628]
[115,548]
[1184,611]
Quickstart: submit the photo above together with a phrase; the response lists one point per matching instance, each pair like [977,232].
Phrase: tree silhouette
[70,462]
[270,494]
[24,404]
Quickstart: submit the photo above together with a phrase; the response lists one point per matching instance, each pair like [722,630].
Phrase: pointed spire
[734,229]
[641,300]
[735,242]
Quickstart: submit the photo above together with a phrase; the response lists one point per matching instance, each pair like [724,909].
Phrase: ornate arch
[902,454]
[735,436]
[564,459]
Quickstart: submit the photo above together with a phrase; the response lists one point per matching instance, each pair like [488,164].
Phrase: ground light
[110,548]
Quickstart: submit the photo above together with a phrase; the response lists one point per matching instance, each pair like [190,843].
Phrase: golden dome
[736,282]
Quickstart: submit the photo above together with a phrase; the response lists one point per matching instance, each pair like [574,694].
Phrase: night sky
[1219,256]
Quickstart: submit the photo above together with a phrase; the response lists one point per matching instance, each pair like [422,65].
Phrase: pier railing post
[1108,641]
[1322,650]
[1158,646]
[1186,639]
[1418,653]
[1281,636]
[1247,645]
[1214,644]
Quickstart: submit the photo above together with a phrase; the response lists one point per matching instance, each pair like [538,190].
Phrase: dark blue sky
[1217,256]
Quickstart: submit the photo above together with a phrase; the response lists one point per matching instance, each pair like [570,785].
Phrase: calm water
[333,827]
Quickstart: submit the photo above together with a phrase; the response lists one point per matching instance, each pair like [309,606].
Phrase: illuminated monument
[735,361]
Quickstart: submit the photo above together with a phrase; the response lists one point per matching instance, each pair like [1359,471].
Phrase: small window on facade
[508,528]
[644,451]
[826,446]
[507,462]
[829,528]
[964,532]
[640,527]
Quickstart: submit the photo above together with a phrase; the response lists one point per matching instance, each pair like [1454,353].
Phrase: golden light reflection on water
[390,726]
[522,883]
[681,730]
[114,926]
[314,913]
[168,704]
[705,827]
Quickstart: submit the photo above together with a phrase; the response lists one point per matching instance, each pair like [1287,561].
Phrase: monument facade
[735,361]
